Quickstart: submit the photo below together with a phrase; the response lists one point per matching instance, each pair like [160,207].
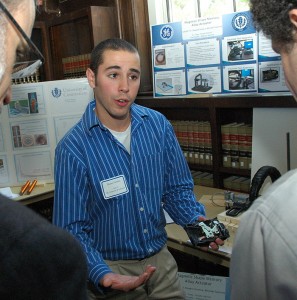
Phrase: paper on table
[8,193]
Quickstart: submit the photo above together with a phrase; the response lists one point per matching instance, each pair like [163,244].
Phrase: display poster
[35,120]
[214,55]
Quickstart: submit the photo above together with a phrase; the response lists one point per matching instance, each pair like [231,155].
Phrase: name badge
[113,187]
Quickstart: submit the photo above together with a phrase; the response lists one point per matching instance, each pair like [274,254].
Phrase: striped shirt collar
[90,120]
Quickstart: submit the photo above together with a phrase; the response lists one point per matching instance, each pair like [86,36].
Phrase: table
[43,191]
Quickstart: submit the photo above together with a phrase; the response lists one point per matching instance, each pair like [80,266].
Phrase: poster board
[35,120]
[214,55]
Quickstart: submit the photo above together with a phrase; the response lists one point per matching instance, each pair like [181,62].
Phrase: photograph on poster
[240,78]
[169,56]
[26,100]
[239,48]
[160,57]
[271,77]
[204,80]
[29,134]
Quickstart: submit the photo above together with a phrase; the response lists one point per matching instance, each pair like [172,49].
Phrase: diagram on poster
[34,165]
[204,80]
[170,83]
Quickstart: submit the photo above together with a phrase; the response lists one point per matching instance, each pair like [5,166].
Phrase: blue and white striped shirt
[130,225]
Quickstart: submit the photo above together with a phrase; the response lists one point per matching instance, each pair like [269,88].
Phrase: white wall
[270,128]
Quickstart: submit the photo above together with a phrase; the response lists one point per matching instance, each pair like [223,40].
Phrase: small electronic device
[202,233]
[236,203]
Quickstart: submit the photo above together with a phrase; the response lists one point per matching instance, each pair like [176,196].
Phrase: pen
[32,186]
[24,187]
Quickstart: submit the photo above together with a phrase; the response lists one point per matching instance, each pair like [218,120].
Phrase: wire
[213,200]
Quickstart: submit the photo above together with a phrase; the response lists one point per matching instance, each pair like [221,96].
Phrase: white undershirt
[124,137]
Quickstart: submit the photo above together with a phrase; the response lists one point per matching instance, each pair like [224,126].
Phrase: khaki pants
[164,283]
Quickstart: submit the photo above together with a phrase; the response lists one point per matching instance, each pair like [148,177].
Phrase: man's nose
[124,85]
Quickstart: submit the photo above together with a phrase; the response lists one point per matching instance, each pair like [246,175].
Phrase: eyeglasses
[28,62]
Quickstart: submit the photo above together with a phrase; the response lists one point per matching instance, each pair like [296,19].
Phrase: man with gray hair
[38,261]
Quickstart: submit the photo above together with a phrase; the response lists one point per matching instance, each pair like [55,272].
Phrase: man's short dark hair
[115,44]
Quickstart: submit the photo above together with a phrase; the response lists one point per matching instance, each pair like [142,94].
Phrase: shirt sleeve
[179,199]
[70,212]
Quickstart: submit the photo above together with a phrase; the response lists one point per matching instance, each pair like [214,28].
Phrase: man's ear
[91,78]
[293,17]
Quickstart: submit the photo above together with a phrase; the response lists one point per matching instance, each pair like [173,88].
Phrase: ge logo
[166,32]
[240,22]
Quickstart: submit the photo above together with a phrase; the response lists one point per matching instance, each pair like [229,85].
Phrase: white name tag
[113,187]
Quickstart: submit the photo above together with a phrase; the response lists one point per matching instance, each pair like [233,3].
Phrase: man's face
[12,43]
[115,87]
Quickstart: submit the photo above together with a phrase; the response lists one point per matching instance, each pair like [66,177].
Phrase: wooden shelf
[78,32]
[218,111]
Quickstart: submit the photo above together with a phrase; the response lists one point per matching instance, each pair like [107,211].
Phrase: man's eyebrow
[118,68]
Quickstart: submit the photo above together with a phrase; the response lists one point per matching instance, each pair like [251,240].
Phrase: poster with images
[35,120]
[214,55]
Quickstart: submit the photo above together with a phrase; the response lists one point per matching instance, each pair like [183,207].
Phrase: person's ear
[293,17]
[91,78]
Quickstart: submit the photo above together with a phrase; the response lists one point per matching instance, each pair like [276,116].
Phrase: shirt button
[141,209]
[137,185]
[145,230]
[150,250]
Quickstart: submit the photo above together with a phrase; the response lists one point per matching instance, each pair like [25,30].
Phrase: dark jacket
[38,260]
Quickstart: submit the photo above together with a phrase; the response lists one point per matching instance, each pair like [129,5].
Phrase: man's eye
[112,76]
[134,77]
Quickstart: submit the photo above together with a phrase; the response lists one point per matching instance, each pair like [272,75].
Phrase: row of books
[202,178]
[76,66]
[194,138]
[237,145]
[237,183]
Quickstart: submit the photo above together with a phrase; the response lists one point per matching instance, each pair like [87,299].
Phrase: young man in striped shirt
[113,172]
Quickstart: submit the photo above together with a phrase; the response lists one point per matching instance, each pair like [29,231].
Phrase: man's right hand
[126,283]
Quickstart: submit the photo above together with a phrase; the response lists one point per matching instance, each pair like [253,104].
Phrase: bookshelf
[76,33]
[217,111]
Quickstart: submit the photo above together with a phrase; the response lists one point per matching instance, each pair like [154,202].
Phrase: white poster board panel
[270,129]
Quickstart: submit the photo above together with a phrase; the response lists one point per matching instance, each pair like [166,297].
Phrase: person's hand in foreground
[213,245]
[127,283]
